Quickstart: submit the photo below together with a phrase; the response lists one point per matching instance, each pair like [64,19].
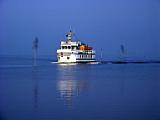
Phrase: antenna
[70,27]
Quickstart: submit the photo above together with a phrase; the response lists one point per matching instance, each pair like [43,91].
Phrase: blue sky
[103,24]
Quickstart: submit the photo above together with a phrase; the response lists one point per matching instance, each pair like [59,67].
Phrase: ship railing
[71,43]
[64,50]
[89,51]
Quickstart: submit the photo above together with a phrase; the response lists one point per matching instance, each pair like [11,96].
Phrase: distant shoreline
[130,62]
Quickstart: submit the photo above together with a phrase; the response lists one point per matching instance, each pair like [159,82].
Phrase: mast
[101,55]
[70,36]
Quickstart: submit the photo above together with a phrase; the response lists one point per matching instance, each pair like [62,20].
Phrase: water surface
[78,92]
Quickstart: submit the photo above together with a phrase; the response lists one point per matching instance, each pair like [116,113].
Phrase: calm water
[78,92]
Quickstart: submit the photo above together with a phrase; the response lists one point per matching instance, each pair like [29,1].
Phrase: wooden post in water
[101,55]
[35,49]
[122,53]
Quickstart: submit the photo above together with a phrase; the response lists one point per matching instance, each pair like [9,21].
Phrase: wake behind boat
[75,52]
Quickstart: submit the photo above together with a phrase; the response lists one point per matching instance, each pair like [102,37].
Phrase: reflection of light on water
[69,85]
[67,89]
[70,88]
[68,64]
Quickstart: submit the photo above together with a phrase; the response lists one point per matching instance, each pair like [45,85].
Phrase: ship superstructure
[75,51]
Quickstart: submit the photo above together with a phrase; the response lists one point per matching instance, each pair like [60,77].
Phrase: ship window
[67,57]
[61,54]
[62,47]
[74,47]
[65,47]
[69,47]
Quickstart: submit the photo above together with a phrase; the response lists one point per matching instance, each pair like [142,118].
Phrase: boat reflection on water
[69,85]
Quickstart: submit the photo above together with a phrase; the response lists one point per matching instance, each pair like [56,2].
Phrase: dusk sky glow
[102,24]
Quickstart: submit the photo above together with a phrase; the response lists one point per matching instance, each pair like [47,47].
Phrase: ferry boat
[75,51]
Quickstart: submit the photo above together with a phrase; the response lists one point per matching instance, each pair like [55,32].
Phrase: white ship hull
[71,57]
[75,52]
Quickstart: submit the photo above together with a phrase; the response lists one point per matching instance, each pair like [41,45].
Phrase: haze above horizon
[103,24]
